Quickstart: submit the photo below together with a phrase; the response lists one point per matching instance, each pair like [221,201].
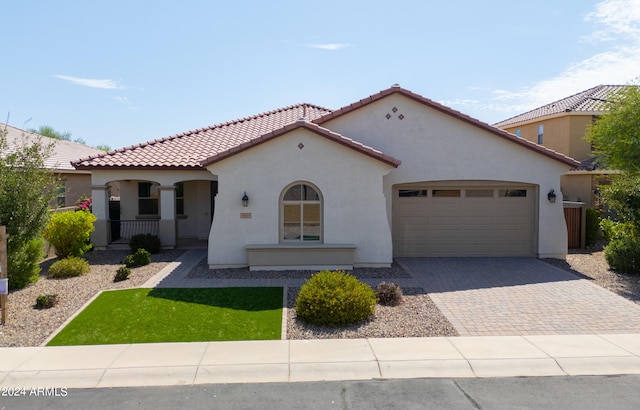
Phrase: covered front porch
[176,206]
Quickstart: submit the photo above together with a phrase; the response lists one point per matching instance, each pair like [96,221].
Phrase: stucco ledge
[314,256]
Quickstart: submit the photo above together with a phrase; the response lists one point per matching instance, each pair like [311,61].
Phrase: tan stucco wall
[434,146]
[350,184]
[564,134]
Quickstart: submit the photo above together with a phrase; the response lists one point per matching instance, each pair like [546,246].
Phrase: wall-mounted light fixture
[551,196]
[245,200]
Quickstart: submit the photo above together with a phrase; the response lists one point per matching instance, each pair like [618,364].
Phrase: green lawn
[176,315]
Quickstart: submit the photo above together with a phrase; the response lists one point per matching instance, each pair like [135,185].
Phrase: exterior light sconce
[245,200]
[551,196]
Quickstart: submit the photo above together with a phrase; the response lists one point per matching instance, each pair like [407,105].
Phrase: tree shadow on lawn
[247,299]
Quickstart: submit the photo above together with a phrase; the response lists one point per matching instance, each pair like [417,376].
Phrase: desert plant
[70,233]
[141,257]
[68,267]
[623,255]
[616,230]
[334,299]
[122,273]
[145,241]
[46,301]
[389,294]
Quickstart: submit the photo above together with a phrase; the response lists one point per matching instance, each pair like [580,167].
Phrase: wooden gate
[573,217]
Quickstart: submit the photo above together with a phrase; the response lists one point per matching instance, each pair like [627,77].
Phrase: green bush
[612,230]
[142,257]
[23,264]
[70,233]
[623,255]
[145,241]
[69,267]
[122,273]
[46,301]
[389,294]
[334,299]
[593,218]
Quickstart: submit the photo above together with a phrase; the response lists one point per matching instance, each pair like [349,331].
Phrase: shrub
[593,218]
[334,299]
[46,301]
[389,294]
[23,264]
[140,258]
[145,241]
[616,230]
[69,267]
[623,255]
[122,273]
[70,233]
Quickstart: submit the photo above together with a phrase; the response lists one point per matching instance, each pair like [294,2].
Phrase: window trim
[301,202]
[150,198]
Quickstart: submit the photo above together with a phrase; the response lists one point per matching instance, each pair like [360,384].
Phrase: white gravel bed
[417,316]
[28,326]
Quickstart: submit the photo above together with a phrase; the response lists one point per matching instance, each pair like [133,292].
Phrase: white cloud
[617,20]
[126,102]
[329,46]
[107,84]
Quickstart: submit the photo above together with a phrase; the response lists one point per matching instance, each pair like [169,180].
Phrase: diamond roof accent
[592,101]
[190,149]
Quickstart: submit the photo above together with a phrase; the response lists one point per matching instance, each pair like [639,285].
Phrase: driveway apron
[520,296]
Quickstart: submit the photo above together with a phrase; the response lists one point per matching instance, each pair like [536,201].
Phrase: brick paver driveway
[520,296]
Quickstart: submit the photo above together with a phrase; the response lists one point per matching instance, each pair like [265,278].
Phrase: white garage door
[463,221]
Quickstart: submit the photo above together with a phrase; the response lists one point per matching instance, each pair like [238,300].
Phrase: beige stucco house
[562,126]
[392,175]
[73,183]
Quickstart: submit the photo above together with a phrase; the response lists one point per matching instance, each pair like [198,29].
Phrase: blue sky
[125,72]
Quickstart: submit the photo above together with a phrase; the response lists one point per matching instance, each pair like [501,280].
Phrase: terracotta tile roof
[449,111]
[302,123]
[188,150]
[64,152]
[592,101]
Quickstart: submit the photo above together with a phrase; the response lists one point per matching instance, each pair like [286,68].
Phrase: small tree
[26,188]
[616,140]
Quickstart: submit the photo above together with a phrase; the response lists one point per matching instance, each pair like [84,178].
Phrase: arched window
[301,214]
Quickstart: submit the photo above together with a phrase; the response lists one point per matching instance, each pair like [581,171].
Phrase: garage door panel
[465,226]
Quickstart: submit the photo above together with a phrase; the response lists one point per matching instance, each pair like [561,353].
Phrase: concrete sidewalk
[316,360]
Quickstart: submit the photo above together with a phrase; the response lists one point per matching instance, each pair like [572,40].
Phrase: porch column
[100,208]
[168,226]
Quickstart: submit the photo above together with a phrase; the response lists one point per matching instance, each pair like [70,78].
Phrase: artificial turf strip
[176,315]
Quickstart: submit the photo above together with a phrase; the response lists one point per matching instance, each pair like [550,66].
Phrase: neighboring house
[392,175]
[73,183]
[562,126]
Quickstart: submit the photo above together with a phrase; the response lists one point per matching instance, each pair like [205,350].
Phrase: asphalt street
[589,392]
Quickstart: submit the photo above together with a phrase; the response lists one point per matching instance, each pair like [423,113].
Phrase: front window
[301,209]
[180,198]
[61,194]
[148,198]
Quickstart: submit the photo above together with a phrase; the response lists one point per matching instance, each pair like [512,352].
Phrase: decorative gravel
[202,271]
[416,317]
[28,326]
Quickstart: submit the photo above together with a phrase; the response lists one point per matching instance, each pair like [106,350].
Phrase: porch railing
[121,230]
